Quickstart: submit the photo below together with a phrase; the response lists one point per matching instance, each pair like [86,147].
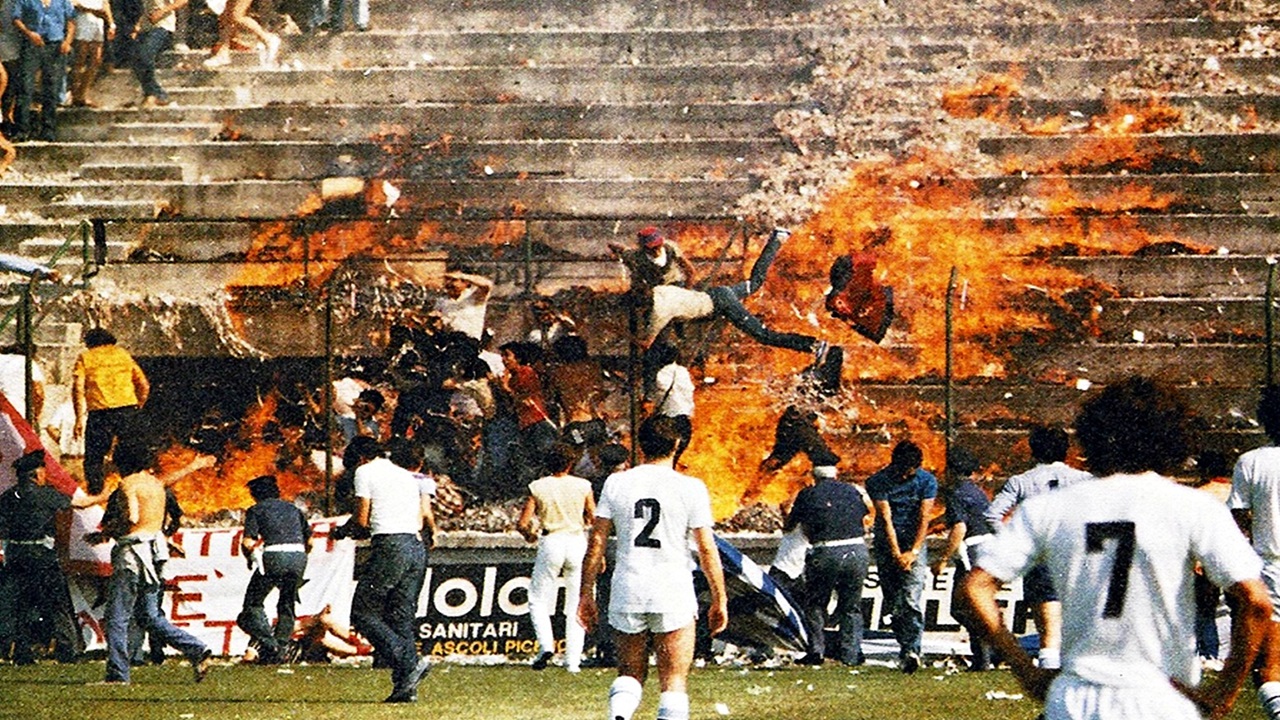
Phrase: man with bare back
[134,561]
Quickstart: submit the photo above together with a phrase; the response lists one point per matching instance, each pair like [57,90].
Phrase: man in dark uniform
[277,538]
[27,515]
[832,515]
[968,528]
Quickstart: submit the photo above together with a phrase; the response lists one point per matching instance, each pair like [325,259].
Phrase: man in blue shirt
[276,540]
[967,529]
[47,28]
[903,495]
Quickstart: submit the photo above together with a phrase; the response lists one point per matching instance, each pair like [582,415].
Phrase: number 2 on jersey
[648,507]
[1124,533]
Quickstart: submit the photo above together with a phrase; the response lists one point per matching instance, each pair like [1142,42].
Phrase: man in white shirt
[393,504]
[1255,503]
[653,509]
[1122,552]
[466,298]
[671,393]
[1049,447]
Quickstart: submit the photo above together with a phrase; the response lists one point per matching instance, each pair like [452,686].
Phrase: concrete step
[536,197]
[607,14]
[443,158]
[1179,276]
[73,255]
[1065,76]
[125,172]
[1183,320]
[706,82]
[1207,193]
[485,121]
[1233,233]
[1204,363]
[164,133]
[1256,152]
[657,45]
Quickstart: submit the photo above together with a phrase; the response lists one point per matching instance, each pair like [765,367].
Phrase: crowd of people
[53,52]
[1124,566]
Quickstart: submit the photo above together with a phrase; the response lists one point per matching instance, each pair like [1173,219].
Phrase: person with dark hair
[671,302]
[575,384]
[136,561]
[555,516]
[276,540]
[28,515]
[835,516]
[671,392]
[654,261]
[363,420]
[1125,547]
[1049,447]
[654,509]
[967,528]
[392,503]
[796,432]
[903,494]
[1255,503]
[537,432]
[48,28]
[108,390]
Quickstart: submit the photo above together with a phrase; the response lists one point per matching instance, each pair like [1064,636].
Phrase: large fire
[921,219]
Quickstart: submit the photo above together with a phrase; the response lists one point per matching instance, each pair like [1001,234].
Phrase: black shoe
[910,663]
[540,662]
[407,689]
[811,659]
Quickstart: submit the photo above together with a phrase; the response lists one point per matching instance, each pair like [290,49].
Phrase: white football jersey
[653,509]
[1122,553]
[1255,486]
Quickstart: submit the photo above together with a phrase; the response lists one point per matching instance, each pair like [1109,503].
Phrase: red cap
[650,237]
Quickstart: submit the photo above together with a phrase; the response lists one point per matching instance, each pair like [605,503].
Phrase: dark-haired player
[653,509]
[1122,551]
[1049,447]
[1255,502]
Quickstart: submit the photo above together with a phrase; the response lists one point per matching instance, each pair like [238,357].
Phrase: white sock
[624,697]
[673,706]
[1269,696]
[1050,658]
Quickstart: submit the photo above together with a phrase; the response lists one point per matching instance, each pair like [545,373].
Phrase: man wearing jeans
[392,503]
[48,27]
[153,33]
[903,495]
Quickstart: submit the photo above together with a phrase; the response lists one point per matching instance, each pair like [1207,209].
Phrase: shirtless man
[135,576]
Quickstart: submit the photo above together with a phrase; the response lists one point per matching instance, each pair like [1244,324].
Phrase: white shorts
[1271,578]
[633,623]
[89,28]
[1071,698]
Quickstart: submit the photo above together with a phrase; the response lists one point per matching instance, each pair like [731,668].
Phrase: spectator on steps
[359,15]
[153,33]
[47,31]
[234,17]
[10,67]
[94,26]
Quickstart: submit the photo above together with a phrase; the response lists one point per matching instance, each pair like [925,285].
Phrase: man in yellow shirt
[108,391]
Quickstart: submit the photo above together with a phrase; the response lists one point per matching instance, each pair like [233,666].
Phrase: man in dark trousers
[108,391]
[834,516]
[903,494]
[27,514]
[392,503]
[277,538]
[967,529]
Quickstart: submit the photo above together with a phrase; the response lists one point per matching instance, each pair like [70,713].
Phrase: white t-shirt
[464,314]
[1038,480]
[13,380]
[1122,554]
[652,509]
[395,496]
[1255,486]
[679,399]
